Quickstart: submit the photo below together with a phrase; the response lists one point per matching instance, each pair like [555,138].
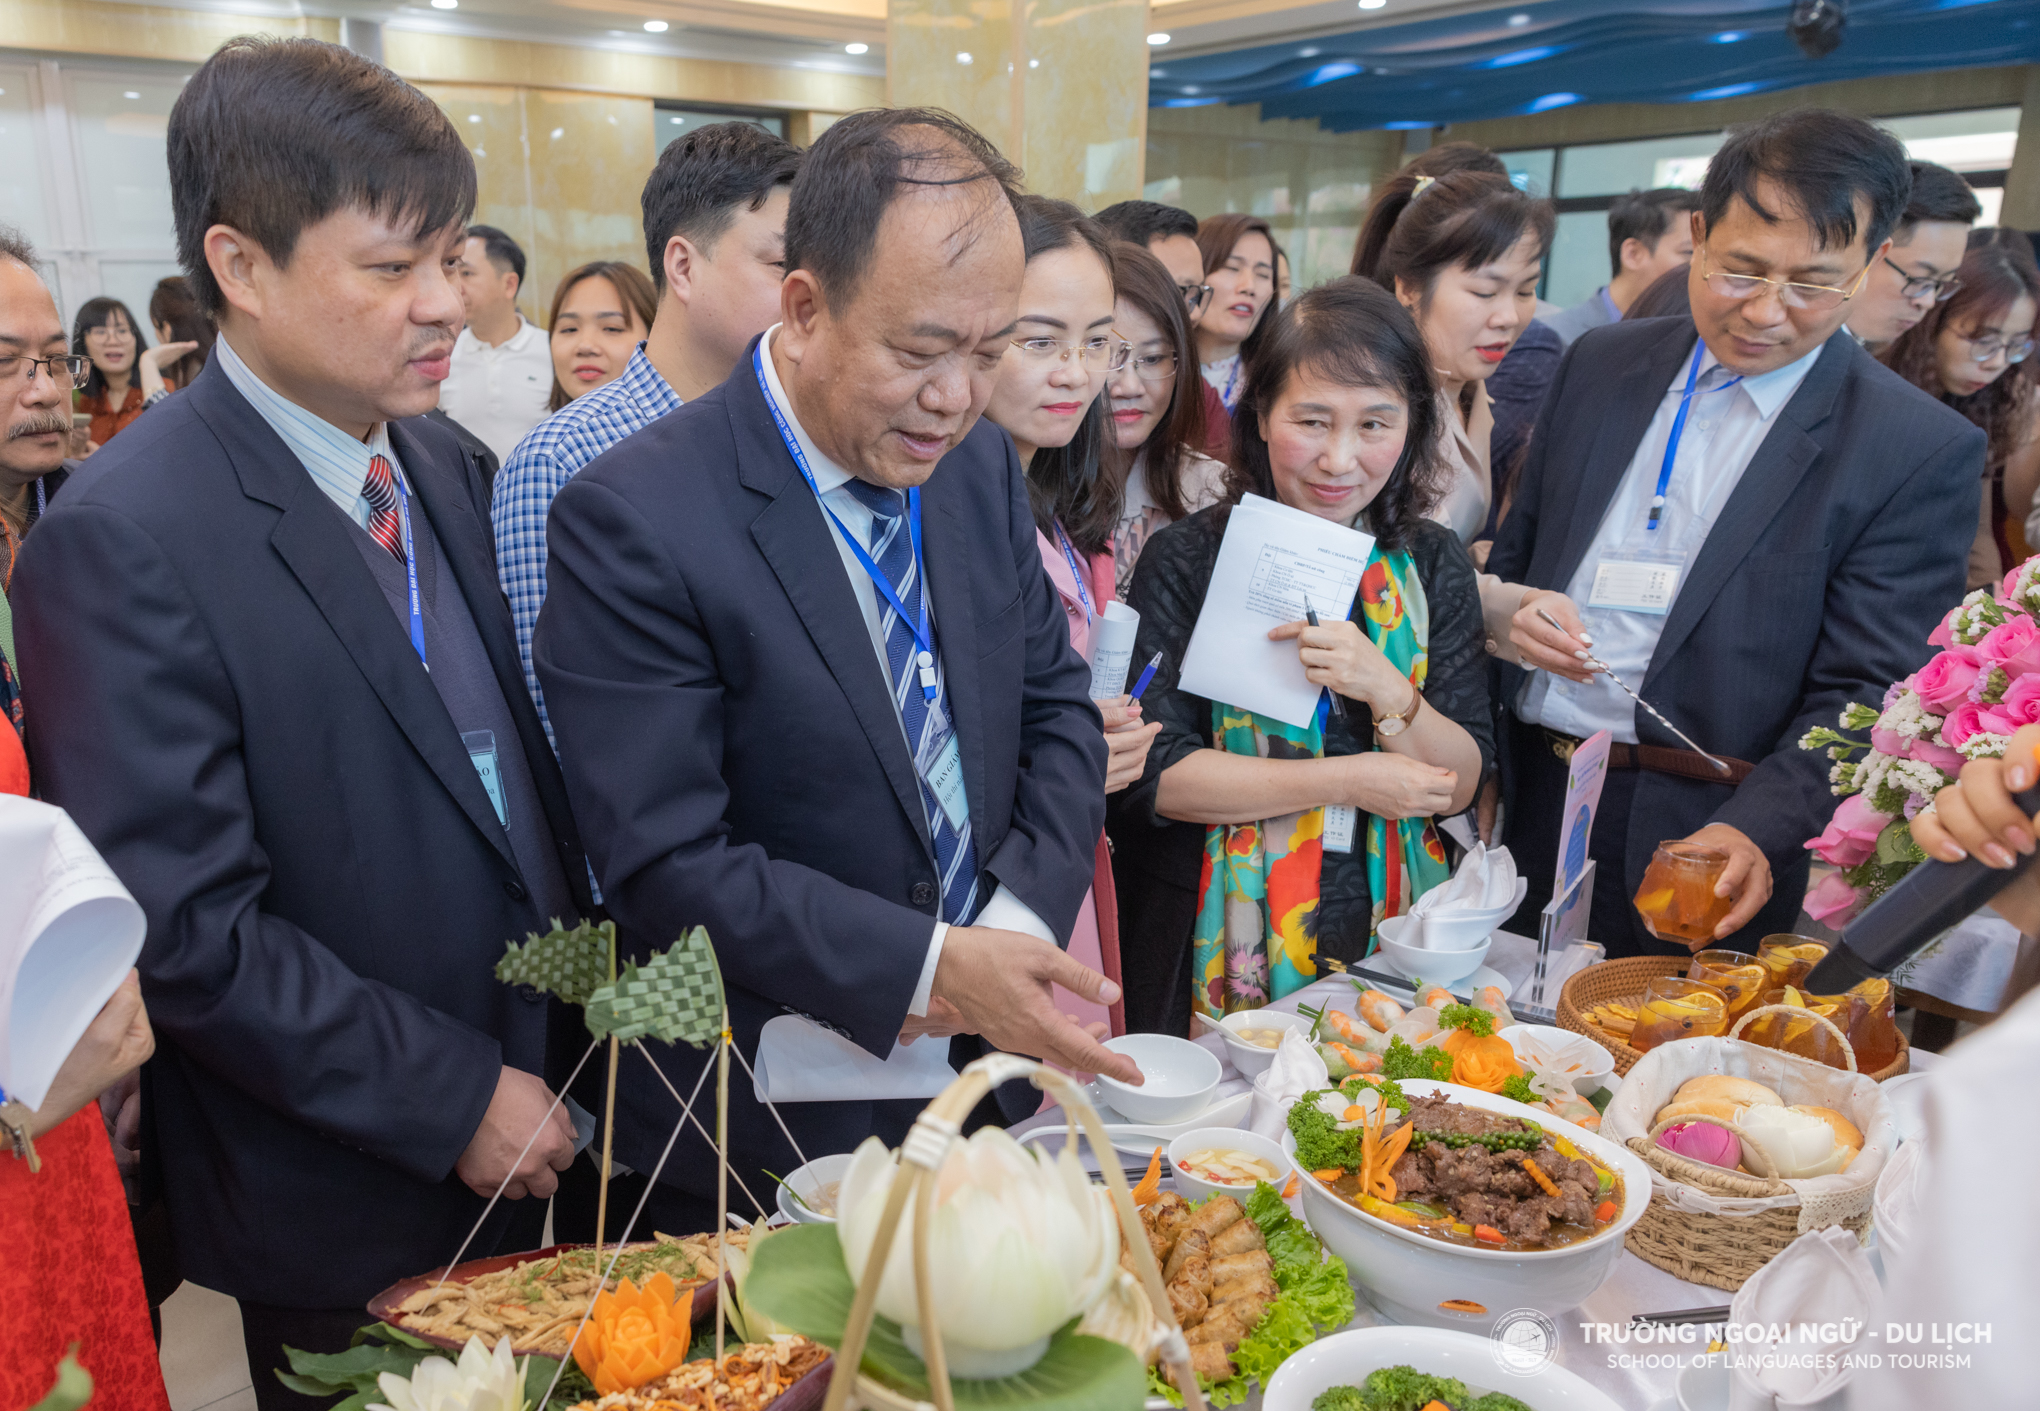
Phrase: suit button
[514,889]
[923,893]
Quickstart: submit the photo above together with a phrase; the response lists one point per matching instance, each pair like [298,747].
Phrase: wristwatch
[1390,726]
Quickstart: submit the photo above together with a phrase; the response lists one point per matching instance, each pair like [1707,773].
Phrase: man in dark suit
[1752,530]
[757,602]
[280,692]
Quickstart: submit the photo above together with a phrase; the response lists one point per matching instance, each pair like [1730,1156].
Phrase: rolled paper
[1112,637]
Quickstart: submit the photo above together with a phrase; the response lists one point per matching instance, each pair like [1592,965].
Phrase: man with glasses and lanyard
[1918,271]
[1751,528]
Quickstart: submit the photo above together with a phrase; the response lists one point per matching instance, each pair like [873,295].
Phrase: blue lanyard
[919,627]
[1076,571]
[410,562]
[1657,502]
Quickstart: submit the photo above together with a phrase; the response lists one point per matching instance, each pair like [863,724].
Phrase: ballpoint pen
[1147,674]
[1310,615]
[1656,714]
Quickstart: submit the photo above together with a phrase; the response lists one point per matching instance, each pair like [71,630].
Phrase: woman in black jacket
[1232,874]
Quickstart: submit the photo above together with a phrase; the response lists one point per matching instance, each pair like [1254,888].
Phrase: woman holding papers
[1157,414]
[1047,399]
[1272,844]
[1462,251]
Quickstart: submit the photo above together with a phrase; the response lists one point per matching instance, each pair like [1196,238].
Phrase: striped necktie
[380,490]
[926,722]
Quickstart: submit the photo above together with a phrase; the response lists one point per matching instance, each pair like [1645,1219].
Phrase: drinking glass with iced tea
[1788,1033]
[1789,958]
[1677,898]
[1674,1008]
[1736,975]
[1868,1015]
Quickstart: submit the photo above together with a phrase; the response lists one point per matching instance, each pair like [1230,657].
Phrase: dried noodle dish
[749,1378]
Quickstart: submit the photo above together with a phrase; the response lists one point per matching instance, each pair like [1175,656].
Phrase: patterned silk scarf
[1257,899]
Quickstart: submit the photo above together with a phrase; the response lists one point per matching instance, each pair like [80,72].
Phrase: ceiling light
[677,122]
[446,4]
[1372,4]
[1308,52]
[1157,40]
[558,133]
[1553,100]
[474,117]
[131,94]
[655,26]
[1034,63]
[1518,21]
[963,57]
[1730,36]
[856,48]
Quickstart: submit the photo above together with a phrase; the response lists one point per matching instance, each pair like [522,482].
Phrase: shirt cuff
[1004,912]
[1499,603]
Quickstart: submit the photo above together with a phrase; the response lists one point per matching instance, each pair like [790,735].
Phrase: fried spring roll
[1226,1324]
[1216,1214]
[1171,1214]
[1240,1266]
[1187,1302]
[1239,1237]
[1253,1286]
[1193,1245]
[1208,1359]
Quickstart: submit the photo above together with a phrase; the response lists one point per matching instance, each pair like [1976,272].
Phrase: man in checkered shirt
[715,220]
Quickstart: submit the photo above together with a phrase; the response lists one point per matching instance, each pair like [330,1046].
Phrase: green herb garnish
[1477,1022]
[1402,1061]
[1517,1087]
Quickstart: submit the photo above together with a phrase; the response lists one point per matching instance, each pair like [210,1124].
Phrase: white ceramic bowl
[1433,967]
[1600,1063]
[1249,1059]
[1195,1188]
[1181,1077]
[1705,1386]
[1345,1359]
[1408,1276]
[808,1180]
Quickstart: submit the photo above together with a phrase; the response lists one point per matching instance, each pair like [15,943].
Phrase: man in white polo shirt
[502,365]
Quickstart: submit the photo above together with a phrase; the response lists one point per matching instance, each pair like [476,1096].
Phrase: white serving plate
[1345,1359]
[1407,1276]
[1141,1138]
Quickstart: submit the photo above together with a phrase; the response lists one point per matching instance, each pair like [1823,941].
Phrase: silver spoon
[1656,714]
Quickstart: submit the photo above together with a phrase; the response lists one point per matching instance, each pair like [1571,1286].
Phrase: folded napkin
[799,1061]
[1485,881]
[1897,1197]
[1819,1282]
[1298,1069]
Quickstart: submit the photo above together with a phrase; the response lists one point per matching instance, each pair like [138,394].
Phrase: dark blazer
[1842,545]
[234,716]
[735,760]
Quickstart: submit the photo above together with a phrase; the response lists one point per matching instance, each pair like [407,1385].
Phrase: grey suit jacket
[1588,313]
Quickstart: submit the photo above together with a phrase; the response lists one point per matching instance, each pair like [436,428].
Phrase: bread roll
[1845,1130]
[1701,1107]
[1741,1091]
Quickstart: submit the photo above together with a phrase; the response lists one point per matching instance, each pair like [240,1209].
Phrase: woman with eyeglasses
[106,334]
[1158,408]
[1049,400]
[1973,353]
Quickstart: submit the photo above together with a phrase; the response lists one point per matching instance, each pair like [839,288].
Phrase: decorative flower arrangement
[1962,705]
[633,1335]
[481,1381]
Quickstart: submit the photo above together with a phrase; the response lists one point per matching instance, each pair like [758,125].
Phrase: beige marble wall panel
[1083,64]
[140,31]
[590,156]
[955,54]
[491,121]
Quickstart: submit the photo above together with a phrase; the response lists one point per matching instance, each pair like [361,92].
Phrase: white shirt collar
[1769,390]
[469,342]
[828,475]
[337,462]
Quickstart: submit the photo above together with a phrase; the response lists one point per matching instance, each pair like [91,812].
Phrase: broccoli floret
[1339,1399]
[1320,1145]
[1518,1087]
[1407,1389]
[1496,1401]
[1477,1022]
[1402,1061]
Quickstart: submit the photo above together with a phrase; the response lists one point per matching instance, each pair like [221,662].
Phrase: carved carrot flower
[634,1335]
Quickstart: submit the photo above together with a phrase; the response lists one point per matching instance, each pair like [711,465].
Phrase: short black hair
[703,177]
[855,171]
[271,136]
[1144,222]
[1645,216]
[1824,160]
[503,252]
[1938,194]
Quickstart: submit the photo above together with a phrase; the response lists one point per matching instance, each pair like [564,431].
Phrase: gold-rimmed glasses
[1791,294]
[1153,366]
[1098,350]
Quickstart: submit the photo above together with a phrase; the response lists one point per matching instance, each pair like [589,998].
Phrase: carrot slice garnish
[1150,1187]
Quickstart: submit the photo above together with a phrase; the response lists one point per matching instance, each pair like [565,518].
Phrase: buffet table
[1640,1378]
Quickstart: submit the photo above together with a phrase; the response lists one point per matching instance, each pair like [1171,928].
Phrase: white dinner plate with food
[1470,1359]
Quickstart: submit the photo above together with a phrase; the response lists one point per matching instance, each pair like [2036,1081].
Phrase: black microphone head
[1816,26]
[1840,969]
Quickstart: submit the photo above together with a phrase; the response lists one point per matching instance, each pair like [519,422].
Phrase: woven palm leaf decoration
[570,964]
[677,996]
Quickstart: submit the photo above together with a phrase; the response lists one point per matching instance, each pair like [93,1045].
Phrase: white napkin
[1485,881]
[1823,1277]
[799,1061]
[1897,1197]
[1298,1069]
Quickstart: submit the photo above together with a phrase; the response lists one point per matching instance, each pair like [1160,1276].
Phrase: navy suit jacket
[1842,545]
[225,703]
[735,760]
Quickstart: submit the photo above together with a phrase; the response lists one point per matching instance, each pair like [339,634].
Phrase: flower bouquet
[1962,705]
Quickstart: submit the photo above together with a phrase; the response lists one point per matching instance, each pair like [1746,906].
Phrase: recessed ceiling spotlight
[963,56]
[1034,63]
[1157,40]
[446,4]
[1730,36]
[131,93]
[1518,21]
[655,26]
[1309,52]
[856,48]
[474,117]
[1372,4]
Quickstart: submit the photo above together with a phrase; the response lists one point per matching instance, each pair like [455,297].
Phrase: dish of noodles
[749,1378]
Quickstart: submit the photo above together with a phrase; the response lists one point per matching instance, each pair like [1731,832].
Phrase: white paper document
[800,1061]
[1272,560]
[69,933]
[1112,650]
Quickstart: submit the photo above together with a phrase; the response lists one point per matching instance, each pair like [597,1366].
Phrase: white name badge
[1636,584]
[481,748]
[946,780]
[1342,821]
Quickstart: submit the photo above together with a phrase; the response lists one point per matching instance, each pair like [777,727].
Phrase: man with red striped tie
[281,693]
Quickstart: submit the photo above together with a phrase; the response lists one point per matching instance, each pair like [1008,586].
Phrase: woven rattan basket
[1624,981]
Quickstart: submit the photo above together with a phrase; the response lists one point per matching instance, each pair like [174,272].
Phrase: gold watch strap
[15,1120]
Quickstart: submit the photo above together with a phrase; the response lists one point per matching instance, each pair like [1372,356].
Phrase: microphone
[1929,900]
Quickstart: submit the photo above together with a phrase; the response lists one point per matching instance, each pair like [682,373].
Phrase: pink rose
[1833,901]
[1993,721]
[1962,722]
[1943,635]
[1944,682]
[1888,742]
[1851,835]
[2013,644]
[1940,756]
[2021,703]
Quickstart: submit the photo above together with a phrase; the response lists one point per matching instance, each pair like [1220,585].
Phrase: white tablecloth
[1635,1287]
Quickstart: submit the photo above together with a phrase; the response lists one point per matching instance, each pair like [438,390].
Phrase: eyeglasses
[1985,346]
[1918,286]
[1790,294]
[108,330]
[1111,353]
[65,370]
[1195,297]
[1148,367]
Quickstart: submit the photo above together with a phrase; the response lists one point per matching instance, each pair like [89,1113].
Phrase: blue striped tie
[926,722]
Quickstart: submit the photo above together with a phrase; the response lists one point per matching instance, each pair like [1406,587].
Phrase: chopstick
[1679,1317]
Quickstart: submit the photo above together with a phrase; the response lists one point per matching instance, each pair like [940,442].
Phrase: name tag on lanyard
[945,781]
[1636,583]
[1342,825]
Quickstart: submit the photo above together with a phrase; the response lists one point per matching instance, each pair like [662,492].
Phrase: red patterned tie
[380,490]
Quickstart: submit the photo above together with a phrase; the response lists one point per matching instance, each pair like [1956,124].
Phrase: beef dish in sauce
[1466,1183]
